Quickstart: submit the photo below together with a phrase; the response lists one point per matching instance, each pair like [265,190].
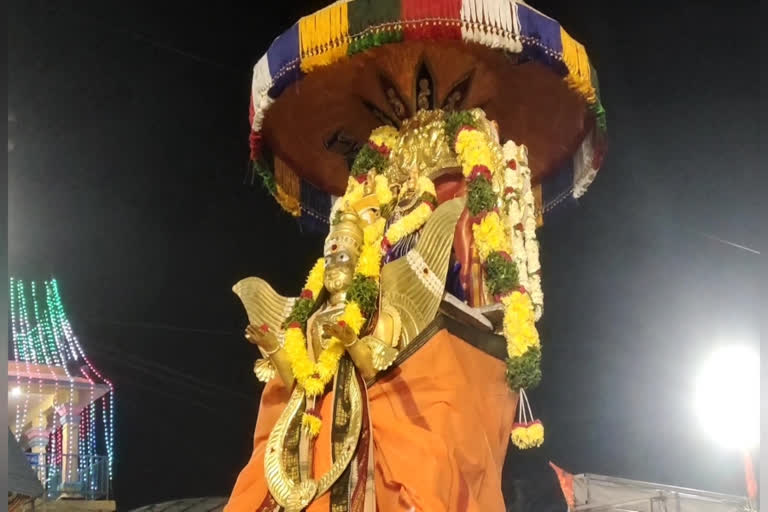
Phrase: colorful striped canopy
[340,72]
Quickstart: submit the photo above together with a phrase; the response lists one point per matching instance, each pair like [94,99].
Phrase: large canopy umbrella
[335,75]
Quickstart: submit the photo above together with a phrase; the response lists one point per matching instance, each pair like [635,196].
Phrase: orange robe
[440,422]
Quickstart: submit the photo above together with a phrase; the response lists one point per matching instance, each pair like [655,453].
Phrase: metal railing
[75,476]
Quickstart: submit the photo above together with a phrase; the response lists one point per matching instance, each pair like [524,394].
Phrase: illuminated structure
[60,407]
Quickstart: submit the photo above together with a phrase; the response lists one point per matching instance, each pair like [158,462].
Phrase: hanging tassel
[315,209]
[516,42]
[577,63]
[288,190]
[324,36]
[491,23]
[526,432]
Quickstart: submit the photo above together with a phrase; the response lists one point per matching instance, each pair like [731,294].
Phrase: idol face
[339,270]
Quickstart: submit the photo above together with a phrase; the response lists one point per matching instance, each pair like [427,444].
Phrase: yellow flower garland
[383,193]
[314,377]
[314,281]
[473,148]
[528,436]
[369,262]
[416,219]
[489,235]
[384,136]
[373,232]
[408,224]
[355,192]
[311,423]
[519,324]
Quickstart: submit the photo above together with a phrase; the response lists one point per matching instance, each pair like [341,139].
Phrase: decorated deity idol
[397,378]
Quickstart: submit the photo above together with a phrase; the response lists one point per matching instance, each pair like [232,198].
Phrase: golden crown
[346,233]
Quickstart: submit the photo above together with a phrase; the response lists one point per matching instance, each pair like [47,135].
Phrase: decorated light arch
[60,405]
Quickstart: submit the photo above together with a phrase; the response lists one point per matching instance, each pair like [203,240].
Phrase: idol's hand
[342,331]
[263,337]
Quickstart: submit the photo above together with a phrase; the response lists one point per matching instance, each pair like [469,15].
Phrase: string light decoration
[43,340]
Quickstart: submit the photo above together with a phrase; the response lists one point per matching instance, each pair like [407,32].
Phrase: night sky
[126,184]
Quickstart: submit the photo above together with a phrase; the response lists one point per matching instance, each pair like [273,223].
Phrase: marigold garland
[361,301]
[306,301]
[384,136]
[355,192]
[519,324]
[489,235]
[528,435]
[408,224]
[311,377]
[311,423]
[314,281]
[314,377]
[505,240]
[382,190]
[472,149]
[504,272]
[369,262]
[373,232]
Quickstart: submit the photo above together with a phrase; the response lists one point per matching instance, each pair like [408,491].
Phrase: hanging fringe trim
[579,70]
[492,23]
[290,184]
[324,36]
[526,432]
[538,205]
[260,101]
[430,20]
[289,203]
[315,208]
[262,169]
[261,104]
[262,81]
[375,37]
[584,171]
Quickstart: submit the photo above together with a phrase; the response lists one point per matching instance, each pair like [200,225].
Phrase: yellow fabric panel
[324,36]
[577,62]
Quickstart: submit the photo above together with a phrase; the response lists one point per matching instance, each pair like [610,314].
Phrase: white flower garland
[520,208]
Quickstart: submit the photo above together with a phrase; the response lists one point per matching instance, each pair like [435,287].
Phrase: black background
[126,184]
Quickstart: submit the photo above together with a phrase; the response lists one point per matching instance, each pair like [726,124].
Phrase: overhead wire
[145,39]
[199,386]
[174,373]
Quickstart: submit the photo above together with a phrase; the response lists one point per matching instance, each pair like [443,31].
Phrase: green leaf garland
[368,158]
[524,371]
[501,273]
[480,196]
[365,292]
